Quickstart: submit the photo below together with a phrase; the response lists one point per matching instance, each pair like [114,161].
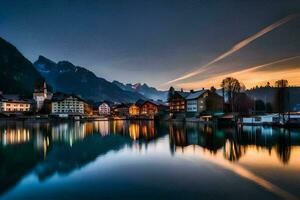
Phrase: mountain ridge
[16,71]
[143,89]
[65,77]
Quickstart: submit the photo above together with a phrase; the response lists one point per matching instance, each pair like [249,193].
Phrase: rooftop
[195,95]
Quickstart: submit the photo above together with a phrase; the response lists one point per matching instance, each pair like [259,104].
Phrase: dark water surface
[147,160]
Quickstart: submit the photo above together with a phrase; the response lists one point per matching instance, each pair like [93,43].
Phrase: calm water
[147,160]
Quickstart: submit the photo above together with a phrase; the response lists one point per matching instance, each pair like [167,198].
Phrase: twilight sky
[161,41]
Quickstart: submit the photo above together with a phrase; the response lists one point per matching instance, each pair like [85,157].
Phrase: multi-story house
[120,110]
[134,110]
[14,104]
[104,109]
[67,104]
[177,102]
[203,101]
[149,109]
[193,103]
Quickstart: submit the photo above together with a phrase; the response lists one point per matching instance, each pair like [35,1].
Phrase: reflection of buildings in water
[12,136]
[119,127]
[19,134]
[134,131]
[71,132]
[182,135]
[142,129]
[234,143]
[280,139]
[102,127]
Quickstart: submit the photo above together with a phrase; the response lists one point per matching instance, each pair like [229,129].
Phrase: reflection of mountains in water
[234,141]
[64,147]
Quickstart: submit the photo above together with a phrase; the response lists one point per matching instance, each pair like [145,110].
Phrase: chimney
[181,90]
[191,91]
[203,88]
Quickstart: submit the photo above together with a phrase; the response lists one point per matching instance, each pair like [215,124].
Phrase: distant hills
[17,74]
[65,77]
[143,89]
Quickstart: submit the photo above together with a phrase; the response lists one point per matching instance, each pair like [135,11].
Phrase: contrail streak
[265,65]
[238,46]
[218,78]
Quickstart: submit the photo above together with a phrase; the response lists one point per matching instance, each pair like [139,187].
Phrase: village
[205,106]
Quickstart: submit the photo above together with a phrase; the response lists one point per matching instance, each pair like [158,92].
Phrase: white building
[104,109]
[12,103]
[67,104]
[40,95]
[261,119]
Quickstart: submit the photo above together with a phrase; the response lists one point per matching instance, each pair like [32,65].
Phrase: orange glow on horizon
[250,77]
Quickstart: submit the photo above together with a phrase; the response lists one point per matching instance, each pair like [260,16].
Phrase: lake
[147,160]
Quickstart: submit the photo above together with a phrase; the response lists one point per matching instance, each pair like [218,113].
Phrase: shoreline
[32,119]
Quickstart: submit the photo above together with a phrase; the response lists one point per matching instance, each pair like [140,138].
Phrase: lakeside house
[134,110]
[203,102]
[64,105]
[177,102]
[40,95]
[149,109]
[14,104]
[194,103]
[104,109]
[120,110]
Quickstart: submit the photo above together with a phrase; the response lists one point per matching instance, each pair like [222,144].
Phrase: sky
[188,44]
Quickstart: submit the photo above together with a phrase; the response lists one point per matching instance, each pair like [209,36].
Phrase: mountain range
[65,77]
[143,89]
[17,74]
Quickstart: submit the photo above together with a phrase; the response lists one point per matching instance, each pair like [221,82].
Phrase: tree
[269,108]
[283,100]
[213,89]
[242,103]
[281,83]
[171,93]
[231,87]
[260,106]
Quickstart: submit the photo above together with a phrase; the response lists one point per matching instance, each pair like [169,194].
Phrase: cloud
[237,47]
[255,75]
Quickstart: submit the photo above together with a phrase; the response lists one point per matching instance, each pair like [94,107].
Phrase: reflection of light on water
[71,133]
[14,136]
[46,144]
[217,159]
[134,131]
[103,127]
